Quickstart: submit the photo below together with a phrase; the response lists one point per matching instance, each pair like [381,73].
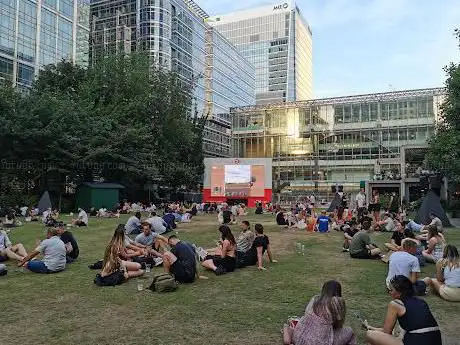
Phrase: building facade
[277,40]
[41,32]
[338,141]
[175,34]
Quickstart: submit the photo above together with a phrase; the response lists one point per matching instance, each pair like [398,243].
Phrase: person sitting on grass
[180,261]
[224,260]
[323,222]
[71,245]
[405,263]
[447,282]
[361,246]
[396,238]
[243,243]
[349,231]
[281,217]
[114,263]
[256,253]
[436,244]
[410,236]
[158,224]
[387,224]
[54,255]
[323,320]
[82,219]
[149,238]
[436,222]
[413,315]
[133,225]
[8,250]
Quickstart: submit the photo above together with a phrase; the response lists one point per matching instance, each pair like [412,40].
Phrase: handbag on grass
[163,283]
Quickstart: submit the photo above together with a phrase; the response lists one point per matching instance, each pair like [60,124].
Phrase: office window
[25,74]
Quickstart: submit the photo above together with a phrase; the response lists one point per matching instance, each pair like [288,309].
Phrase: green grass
[244,307]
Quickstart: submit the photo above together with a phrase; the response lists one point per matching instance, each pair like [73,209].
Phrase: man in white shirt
[404,263]
[234,210]
[133,225]
[158,224]
[82,219]
[54,255]
[360,203]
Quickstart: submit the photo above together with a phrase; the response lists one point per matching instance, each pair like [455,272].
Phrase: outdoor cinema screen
[238,181]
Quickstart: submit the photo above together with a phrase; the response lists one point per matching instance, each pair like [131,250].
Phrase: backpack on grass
[163,283]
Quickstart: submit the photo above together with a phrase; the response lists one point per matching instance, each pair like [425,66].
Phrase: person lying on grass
[115,258]
[260,245]
[54,255]
[224,260]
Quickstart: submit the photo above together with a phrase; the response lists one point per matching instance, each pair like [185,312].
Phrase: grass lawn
[245,307]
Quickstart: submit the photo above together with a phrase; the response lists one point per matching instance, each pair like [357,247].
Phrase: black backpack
[116,278]
[164,283]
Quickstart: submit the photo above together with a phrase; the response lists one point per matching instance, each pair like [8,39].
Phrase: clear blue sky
[364,46]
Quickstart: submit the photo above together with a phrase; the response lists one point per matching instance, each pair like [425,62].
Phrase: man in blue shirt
[323,222]
[133,225]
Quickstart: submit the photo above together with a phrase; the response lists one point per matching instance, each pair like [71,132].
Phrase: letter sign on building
[280,7]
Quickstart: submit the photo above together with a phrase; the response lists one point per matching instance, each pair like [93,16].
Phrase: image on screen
[235,174]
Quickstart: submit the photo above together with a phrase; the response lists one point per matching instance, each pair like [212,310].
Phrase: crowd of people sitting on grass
[144,241]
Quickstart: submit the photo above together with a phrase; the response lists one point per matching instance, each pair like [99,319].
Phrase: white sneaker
[158,261]
[201,253]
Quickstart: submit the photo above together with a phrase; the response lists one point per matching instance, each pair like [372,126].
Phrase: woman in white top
[447,282]
[436,245]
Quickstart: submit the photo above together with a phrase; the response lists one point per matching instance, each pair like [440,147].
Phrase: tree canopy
[444,153]
[120,120]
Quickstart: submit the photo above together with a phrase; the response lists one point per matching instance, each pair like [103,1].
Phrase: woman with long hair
[323,320]
[225,261]
[436,245]
[447,282]
[413,315]
[113,257]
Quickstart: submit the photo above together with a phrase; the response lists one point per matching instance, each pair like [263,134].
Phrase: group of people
[125,258]
[324,318]
[58,249]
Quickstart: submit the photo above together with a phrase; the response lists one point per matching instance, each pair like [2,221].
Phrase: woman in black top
[260,245]
[413,315]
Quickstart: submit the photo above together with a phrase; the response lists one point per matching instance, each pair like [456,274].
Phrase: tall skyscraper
[277,40]
[175,34]
[38,33]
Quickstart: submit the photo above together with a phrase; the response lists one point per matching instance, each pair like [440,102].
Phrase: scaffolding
[366,98]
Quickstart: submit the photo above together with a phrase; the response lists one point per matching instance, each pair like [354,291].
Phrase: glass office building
[38,33]
[338,141]
[175,34]
[277,40]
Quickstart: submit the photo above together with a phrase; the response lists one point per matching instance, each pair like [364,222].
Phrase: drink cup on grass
[147,268]
[140,285]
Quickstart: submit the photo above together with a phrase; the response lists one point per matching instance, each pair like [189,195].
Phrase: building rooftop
[372,97]
[277,7]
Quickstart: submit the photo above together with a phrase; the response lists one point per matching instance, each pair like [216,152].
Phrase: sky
[366,46]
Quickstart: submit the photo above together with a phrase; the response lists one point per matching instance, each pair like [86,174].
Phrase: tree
[121,120]
[444,153]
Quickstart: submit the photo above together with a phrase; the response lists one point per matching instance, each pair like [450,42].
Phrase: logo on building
[280,7]
[236,161]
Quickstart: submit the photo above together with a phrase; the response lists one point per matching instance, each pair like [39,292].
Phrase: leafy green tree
[444,153]
[121,120]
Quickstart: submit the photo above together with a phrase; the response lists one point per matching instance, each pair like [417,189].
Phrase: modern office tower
[277,40]
[38,33]
[175,34]
[321,143]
